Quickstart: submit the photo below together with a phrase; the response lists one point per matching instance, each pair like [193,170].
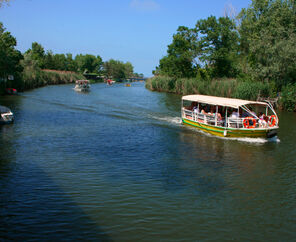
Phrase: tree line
[258,45]
[27,70]
[87,63]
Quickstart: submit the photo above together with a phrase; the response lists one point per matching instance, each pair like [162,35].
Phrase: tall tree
[218,45]
[89,63]
[9,56]
[181,54]
[37,53]
[118,69]
[268,37]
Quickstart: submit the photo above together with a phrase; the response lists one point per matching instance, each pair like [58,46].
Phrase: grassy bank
[232,88]
[41,78]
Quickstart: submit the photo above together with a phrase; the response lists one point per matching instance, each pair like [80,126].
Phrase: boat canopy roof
[220,101]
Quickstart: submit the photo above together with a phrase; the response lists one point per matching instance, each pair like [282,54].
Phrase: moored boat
[229,117]
[6,116]
[82,86]
[110,82]
[11,91]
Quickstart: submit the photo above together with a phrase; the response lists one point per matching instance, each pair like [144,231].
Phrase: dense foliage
[9,58]
[257,49]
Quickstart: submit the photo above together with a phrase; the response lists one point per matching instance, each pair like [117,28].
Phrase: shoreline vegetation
[223,87]
[250,56]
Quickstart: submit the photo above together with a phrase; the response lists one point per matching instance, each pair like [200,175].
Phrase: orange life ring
[272,120]
[247,123]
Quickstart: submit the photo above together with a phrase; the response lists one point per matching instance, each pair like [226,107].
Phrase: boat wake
[274,139]
[167,119]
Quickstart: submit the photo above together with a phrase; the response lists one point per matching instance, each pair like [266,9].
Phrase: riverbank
[39,78]
[225,87]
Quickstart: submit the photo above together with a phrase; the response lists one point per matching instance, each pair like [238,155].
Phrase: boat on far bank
[110,82]
[6,116]
[11,91]
[82,86]
[229,117]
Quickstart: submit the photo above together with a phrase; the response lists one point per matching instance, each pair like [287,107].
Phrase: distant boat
[128,85]
[11,91]
[6,116]
[110,82]
[82,86]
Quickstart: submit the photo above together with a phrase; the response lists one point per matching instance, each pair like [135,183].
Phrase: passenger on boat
[234,114]
[203,110]
[263,120]
[192,106]
[212,111]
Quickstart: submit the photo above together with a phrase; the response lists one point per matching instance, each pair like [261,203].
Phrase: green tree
[37,53]
[180,59]
[218,45]
[9,56]
[89,63]
[70,63]
[128,70]
[118,69]
[268,37]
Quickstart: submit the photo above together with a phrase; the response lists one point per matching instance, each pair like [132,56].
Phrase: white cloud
[144,5]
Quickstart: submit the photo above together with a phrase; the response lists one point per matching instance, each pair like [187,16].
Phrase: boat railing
[231,122]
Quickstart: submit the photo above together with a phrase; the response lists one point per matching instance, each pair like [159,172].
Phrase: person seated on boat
[234,114]
[263,120]
[219,117]
[192,106]
[195,109]
[212,111]
[202,109]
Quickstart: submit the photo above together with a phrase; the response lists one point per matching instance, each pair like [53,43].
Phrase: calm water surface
[117,165]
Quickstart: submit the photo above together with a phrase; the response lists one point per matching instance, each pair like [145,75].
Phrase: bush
[252,90]
[38,78]
[288,97]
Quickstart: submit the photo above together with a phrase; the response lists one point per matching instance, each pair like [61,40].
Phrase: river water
[117,165]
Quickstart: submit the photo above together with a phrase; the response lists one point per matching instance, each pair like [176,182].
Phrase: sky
[137,31]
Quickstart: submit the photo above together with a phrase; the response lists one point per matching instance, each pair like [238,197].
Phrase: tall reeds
[224,87]
[39,78]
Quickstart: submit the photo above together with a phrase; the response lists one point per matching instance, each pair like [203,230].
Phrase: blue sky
[137,31]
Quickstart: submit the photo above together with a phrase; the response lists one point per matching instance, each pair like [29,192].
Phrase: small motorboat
[82,86]
[6,116]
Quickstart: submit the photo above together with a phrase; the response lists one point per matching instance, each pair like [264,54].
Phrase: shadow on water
[33,206]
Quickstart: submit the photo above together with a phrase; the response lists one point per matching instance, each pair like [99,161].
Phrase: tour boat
[82,86]
[6,116]
[229,117]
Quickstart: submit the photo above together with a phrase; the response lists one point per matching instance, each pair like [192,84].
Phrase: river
[117,165]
